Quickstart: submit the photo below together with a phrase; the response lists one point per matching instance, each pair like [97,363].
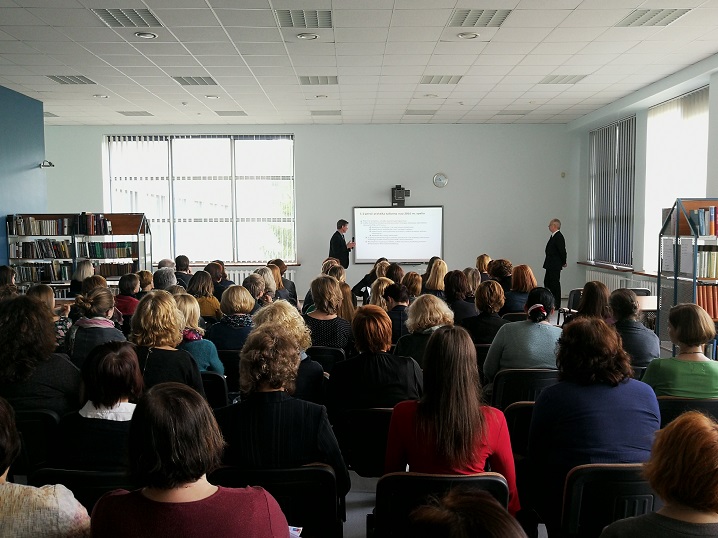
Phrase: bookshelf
[47,247]
[687,260]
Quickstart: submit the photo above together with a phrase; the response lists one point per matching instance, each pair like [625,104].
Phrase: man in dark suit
[339,248]
[555,260]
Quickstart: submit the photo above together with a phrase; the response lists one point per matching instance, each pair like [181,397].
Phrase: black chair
[230,360]
[481,351]
[574,297]
[671,408]
[638,372]
[87,486]
[37,431]
[362,435]
[215,389]
[307,495]
[520,385]
[599,494]
[515,316]
[518,419]
[326,356]
[397,494]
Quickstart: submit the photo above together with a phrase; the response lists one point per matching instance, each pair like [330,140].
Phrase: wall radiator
[238,275]
[622,280]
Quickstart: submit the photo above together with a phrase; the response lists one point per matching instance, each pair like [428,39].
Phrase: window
[209,197]
[612,153]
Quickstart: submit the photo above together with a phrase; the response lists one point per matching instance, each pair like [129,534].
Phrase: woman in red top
[448,431]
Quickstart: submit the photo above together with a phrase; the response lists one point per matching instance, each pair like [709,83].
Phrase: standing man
[555,260]
[339,247]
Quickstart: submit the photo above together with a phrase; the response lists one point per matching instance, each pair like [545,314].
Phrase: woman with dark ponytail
[526,344]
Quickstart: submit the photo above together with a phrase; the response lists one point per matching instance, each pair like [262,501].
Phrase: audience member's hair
[277,274]
[225,276]
[269,359]
[182,263]
[347,310]
[338,272]
[284,314]
[372,273]
[473,277]
[128,284]
[215,270]
[429,266]
[8,291]
[10,443]
[539,304]
[157,321]
[279,263]
[397,292]
[164,277]
[174,437]
[200,285]
[93,282]
[500,269]
[328,264]
[412,281]
[372,329]
[482,263]
[145,279]
[376,296]
[428,311]
[523,279]
[489,296]
[96,304]
[110,373]
[177,289]
[44,293]
[594,301]
[83,270]
[590,351]
[326,294]
[456,286]
[691,325]
[7,273]
[394,272]
[624,304]
[189,306]
[236,300]
[270,286]
[436,277]
[27,336]
[381,268]
[254,284]
[166,262]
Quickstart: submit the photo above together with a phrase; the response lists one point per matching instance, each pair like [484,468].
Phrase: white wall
[504,186]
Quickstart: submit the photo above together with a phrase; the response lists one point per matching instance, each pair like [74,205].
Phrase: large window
[209,197]
[611,190]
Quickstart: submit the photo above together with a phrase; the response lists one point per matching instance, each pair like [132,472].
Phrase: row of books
[43,272]
[707,261]
[707,295]
[107,249]
[42,248]
[20,225]
[92,224]
[704,220]
[116,269]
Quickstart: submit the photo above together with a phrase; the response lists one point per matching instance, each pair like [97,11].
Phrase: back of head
[128,284]
[164,278]
[490,296]
[500,269]
[254,284]
[279,263]
[594,300]
[377,291]
[539,304]
[83,270]
[473,277]
[436,277]
[683,467]
[43,293]
[456,286]
[372,329]
[9,437]
[381,268]
[372,273]
[412,281]
[326,294]
[269,284]
[269,359]
[177,289]
[236,300]
[523,279]
[174,438]
[338,272]
[224,269]
[328,264]
[215,270]
[145,278]
[92,282]
[430,265]
[624,304]
[97,303]
[157,321]
[397,292]
[165,262]
[189,307]
[277,274]
[394,272]
[347,310]
[284,314]
[182,263]
[6,274]
[200,285]
[428,311]
[482,262]
[690,324]
[111,372]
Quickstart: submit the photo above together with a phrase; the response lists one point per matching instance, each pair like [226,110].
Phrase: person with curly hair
[426,314]
[270,429]
[31,375]
[500,270]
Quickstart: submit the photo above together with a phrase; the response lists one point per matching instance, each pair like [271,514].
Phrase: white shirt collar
[121,412]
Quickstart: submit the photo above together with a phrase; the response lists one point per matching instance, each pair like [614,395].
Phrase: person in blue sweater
[203,351]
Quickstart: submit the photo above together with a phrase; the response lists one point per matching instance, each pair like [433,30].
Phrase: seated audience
[397,302]
[270,286]
[31,375]
[166,263]
[377,292]
[125,300]
[177,289]
[596,414]
[381,268]
[374,378]
[683,470]
[338,272]
[281,293]
[327,328]
[7,275]
[424,316]
[254,284]
[690,374]
[429,267]
[232,330]
[482,266]
[270,429]
[526,344]
[225,281]
[95,438]
[163,278]
[435,283]
[182,270]
[394,272]
[412,281]
[449,431]
[219,279]
[83,270]
[174,444]
[286,283]
[145,284]
[157,331]
[473,277]
[489,300]
[308,305]
[62,323]
[29,512]
[201,287]
[363,287]
[203,351]
[593,303]
[348,307]
[522,282]
[459,296]
[500,270]
[641,343]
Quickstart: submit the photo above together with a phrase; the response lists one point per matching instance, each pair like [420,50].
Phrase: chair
[481,351]
[326,356]
[230,360]
[518,419]
[599,494]
[520,385]
[215,389]
[87,486]
[362,435]
[574,297]
[307,495]
[671,408]
[638,372]
[641,292]
[37,431]
[397,494]
[515,316]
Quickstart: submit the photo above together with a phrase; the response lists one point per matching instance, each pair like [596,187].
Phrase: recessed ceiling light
[146,35]
[100,96]
[307,36]
[467,35]
[212,96]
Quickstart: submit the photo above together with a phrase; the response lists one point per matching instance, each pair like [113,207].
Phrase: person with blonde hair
[281,292]
[363,287]
[381,268]
[201,287]
[482,265]
[473,277]
[348,308]
[270,285]
[157,331]
[287,284]
[522,282]
[83,270]
[484,326]
[435,282]
[377,291]
[327,328]
[426,314]
[203,351]
[236,323]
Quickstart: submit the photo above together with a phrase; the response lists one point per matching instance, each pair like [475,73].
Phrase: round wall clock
[440,180]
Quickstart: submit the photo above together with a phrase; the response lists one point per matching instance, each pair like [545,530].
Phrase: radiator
[613,281]
[238,275]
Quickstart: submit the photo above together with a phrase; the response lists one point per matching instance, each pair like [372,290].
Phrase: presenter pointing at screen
[339,247]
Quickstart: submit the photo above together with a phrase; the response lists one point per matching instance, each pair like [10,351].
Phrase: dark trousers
[552,281]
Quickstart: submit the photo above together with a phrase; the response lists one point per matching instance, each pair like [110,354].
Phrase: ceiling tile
[254,18]
[254,35]
[414,33]
[361,35]
[521,35]
[361,18]
[178,18]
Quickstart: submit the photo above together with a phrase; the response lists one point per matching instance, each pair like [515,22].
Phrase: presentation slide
[401,234]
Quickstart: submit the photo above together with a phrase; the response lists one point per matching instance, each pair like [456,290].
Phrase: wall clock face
[440,180]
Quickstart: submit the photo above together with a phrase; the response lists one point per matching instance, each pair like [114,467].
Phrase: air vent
[440,79]
[304,18]
[308,80]
[128,18]
[134,113]
[326,112]
[230,112]
[562,79]
[70,79]
[50,115]
[195,81]
[652,17]
[420,112]
[478,18]
[513,112]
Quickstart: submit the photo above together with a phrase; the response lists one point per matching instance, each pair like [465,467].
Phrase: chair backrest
[37,431]
[671,408]
[307,495]
[574,297]
[518,418]
[515,316]
[215,389]
[520,385]
[641,292]
[398,494]
[326,356]
[362,435]
[230,360]
[87,486]
[599,494]
[638,372]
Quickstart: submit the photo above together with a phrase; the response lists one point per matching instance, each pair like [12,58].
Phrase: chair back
[307,495]
[362,435]
[574,297]
[398,494]
[641,292]
[515,316]
[37,431]
[520,385]
[638,372]
[671,408]
[230,360]
[326,356]
[87,486]
[599,494]
[518,419]
[215,389]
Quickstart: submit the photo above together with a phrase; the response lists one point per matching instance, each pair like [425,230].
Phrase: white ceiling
[379,50]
